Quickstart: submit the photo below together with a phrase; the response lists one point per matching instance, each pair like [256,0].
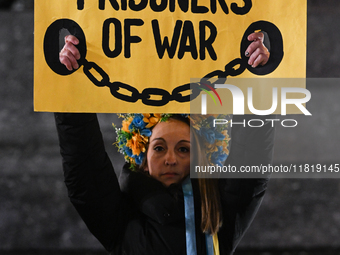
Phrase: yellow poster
[139,55]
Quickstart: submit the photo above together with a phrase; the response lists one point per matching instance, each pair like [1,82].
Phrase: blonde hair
[211,209]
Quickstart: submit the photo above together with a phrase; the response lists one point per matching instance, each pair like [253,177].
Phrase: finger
[260,60]
[251,48]
[259,57]
[253,56]
[67,63]
[257,39]
[73,49]
[67,58]
[72,39]
[255,47]
[256,36]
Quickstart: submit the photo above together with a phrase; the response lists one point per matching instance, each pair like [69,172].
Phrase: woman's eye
[158,148]
[184,149]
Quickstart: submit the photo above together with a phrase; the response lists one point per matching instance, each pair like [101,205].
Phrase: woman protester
[155,208]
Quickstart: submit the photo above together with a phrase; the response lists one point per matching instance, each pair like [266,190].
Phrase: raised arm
[89,176]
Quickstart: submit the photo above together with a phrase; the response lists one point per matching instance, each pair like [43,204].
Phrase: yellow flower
[225,150]
[225,141]
[196,120]
[210,148]
[126,124]
[226,135]
[151,120]
[137,143]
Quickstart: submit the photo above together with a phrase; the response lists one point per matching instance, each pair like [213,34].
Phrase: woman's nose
[170,158]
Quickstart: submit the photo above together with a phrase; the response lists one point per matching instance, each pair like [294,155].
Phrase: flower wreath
[133,136]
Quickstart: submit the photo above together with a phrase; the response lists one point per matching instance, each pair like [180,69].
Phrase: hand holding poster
[138,55]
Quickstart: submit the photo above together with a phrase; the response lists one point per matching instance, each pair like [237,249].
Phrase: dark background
[298,216]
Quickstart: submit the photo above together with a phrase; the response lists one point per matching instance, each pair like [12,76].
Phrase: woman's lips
[170,174]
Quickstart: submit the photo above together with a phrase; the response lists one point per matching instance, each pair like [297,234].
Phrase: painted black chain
[177,94]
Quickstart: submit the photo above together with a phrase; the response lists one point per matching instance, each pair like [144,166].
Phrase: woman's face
[168,156]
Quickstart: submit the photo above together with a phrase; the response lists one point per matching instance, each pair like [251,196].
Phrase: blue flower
[137,123]
[139,158]
[218,157]
[219,136]
[208,134]
[128,151]
[146,132]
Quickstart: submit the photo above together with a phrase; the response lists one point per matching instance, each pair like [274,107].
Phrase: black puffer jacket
[142,216]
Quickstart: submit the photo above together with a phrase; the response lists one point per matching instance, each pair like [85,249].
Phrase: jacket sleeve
[89,176]
[241,198]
